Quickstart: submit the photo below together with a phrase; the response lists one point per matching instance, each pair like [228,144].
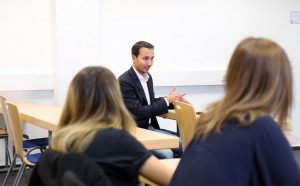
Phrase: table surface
[172,114]
[47,117]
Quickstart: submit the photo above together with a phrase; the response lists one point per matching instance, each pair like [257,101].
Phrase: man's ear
[133,57]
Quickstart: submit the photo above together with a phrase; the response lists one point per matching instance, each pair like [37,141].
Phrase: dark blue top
[254,155]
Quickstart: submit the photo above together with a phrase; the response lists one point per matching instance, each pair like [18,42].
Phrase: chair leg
[14,153]
[19,175]
[9,170]
[7,155]
[26,179]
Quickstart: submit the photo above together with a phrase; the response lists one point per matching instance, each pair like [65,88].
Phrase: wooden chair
[30,158]
[27,143]
[4,135]
[186,119]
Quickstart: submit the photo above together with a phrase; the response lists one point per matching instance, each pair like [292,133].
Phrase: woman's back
[119,154]
[255,155]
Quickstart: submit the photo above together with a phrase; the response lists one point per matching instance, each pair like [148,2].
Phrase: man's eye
[146,58]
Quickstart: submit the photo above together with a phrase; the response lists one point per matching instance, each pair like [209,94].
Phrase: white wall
[26,37]
[27,54]
[78,33]
[191,35]
[191,38]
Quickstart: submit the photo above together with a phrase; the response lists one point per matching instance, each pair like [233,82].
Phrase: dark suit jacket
[136,101]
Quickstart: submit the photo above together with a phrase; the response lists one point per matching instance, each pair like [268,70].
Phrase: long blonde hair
[94,102]
[258,82]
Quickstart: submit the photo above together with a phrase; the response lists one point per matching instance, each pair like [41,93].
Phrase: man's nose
[150,62]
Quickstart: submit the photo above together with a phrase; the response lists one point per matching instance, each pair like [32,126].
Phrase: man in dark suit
[137,89]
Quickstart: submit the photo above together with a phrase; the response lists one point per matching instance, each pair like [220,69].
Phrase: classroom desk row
[47,117]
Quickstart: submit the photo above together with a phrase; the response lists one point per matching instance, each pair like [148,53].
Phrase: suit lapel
[150,88]
[138,83]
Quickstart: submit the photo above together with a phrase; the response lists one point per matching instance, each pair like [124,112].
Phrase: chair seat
[34,158]
[31,143]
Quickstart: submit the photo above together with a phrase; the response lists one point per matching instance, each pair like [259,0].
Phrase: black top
[256,155]
[119,154]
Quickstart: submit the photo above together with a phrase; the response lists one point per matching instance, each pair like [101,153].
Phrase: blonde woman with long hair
[96,122]
[239,141]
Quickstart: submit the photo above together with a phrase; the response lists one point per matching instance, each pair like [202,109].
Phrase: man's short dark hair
[135,50]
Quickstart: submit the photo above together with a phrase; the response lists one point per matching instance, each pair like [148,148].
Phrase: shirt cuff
[167,102]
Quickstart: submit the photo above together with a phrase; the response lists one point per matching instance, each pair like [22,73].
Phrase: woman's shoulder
[265,128]
[266,122]
[265,118]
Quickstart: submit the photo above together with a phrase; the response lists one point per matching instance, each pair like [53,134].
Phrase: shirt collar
[141,78]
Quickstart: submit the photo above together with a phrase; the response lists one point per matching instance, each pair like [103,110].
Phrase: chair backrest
[186,119]
[6,120]
[16,128]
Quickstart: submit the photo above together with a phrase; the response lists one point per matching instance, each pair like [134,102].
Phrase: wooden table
[172,114]
[47,117]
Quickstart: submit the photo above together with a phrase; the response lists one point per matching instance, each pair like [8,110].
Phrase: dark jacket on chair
[55,169]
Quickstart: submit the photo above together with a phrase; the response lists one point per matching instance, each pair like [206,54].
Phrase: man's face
[143,62]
